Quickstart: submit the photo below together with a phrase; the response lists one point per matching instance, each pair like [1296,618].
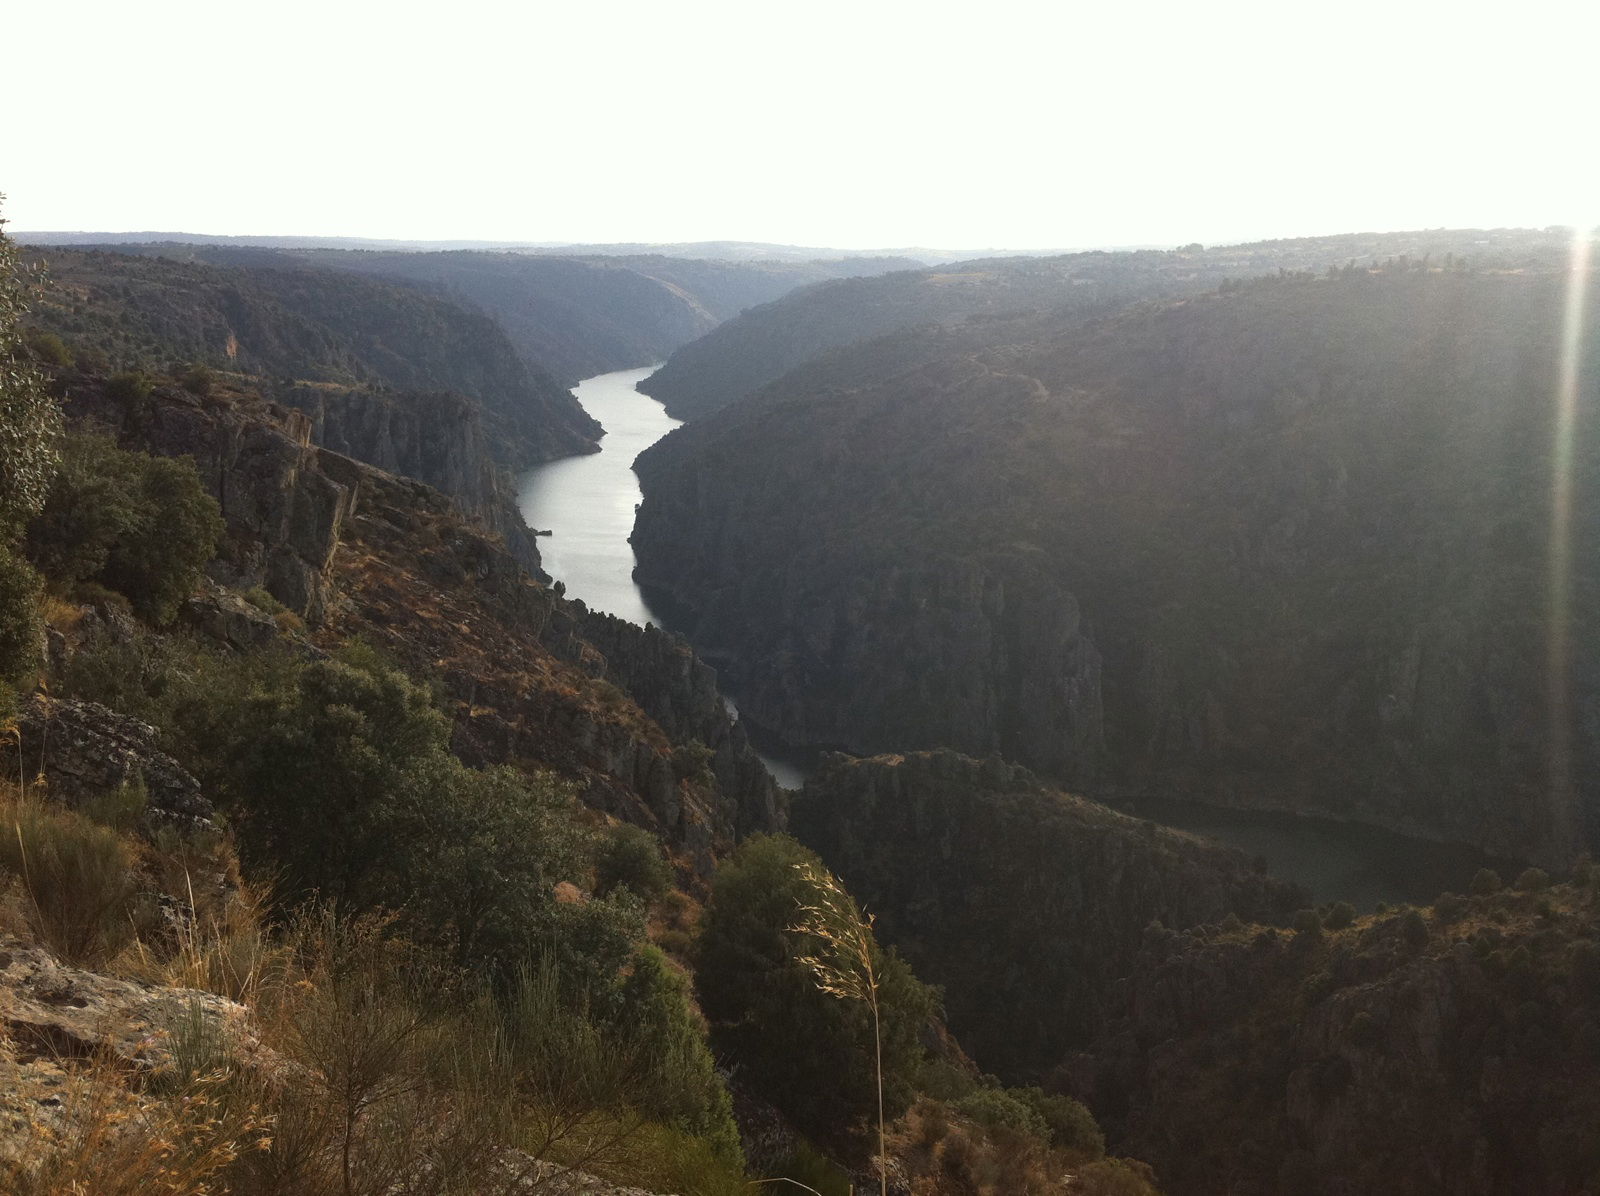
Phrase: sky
[868,124]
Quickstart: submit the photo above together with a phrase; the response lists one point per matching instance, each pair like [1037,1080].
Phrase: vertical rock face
[1283,547]
[679,691]
[283,513]
[434,437]
[1026,904]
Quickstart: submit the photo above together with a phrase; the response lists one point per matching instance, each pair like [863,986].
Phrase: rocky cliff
[359,551]
[1284,546]
[1026,904]
[434,437]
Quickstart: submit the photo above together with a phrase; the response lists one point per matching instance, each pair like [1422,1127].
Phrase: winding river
[588,502]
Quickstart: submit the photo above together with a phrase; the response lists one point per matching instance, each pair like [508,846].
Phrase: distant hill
[574,317]
[1284,547]
[718,251]
[763,344]
[304,325]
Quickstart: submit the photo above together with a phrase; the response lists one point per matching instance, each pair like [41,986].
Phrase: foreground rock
[54,1012]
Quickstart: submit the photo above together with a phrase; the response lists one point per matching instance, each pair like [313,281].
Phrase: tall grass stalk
[843,966]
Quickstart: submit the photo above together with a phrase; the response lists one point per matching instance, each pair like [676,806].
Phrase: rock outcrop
[1026,904]
[434,437]
[88,751]
[51,1011]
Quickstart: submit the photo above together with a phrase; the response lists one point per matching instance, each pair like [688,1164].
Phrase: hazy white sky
[867,123]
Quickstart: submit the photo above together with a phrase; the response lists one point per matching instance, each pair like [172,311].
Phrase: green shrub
[1115,1177]
[807,1165]
[1414,929]
[1533,880]
[142,525]
[1484,882]
[1071,1126]
[21,629]
[808,1052]
[692,761]
[197,380]
[995,1108]
[130,386]
[1307,925]
[48,348]
[629,857]
[1340,915]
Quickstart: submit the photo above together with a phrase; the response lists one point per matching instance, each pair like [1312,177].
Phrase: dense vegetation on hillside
[1284,546]
[762,345]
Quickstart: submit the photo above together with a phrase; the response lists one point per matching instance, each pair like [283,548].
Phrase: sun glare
[1563,799]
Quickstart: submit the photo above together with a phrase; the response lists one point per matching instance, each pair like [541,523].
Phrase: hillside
[1450,1048]
[1279,547]
[309,325]
[575,317]
[762,345]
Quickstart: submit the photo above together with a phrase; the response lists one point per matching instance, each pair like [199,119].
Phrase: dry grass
[73,881]
[99,1135]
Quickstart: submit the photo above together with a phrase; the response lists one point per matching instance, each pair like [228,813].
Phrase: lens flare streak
[1562,795]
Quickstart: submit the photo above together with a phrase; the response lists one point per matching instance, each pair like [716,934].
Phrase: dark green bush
[130,386]
[1340,915]
[1307,925]
[811,1054]
[629,857]
[1414,928]
[1533,880]
[1484,882]
[48,349]
[1071,1126]
[198,380]
[996,1108]
[20,626]
[142,525]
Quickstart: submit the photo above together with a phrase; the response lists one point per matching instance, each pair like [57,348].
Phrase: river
[588,504]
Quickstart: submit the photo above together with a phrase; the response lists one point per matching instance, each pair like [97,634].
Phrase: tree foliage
[142,525]
[29,418]
[811,1054]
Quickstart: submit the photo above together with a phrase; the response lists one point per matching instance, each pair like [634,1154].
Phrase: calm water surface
[588,504]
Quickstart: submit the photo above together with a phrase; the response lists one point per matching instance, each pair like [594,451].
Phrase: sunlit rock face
[1281,547]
